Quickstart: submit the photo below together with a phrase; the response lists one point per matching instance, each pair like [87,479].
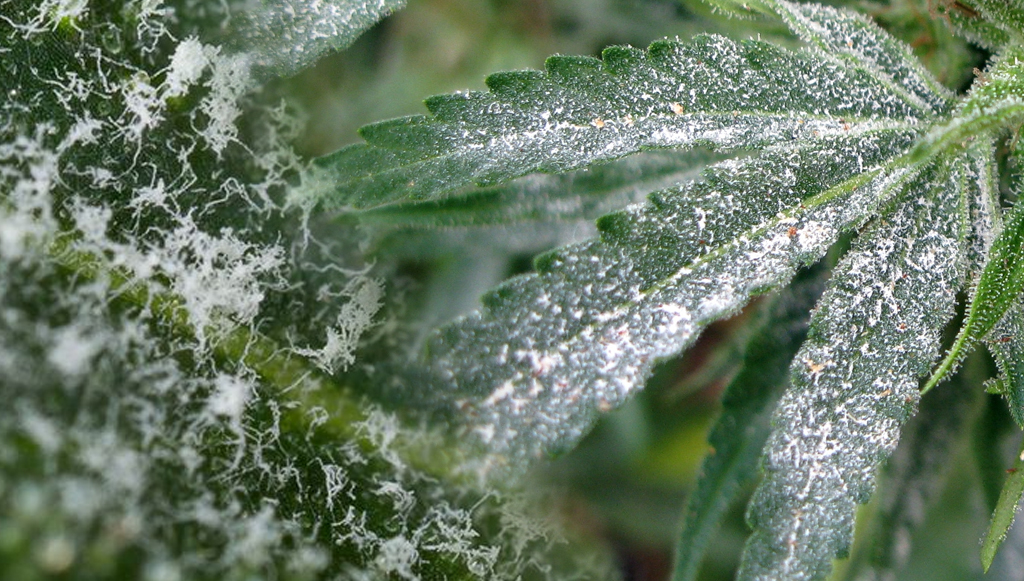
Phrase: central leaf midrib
[848,185]
[855,123]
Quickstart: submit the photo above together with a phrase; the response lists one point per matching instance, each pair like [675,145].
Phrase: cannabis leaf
[744,425]
[537,364]
[710,92]
[912,480]
[552,349]
[166,410]
[854,382]
[570,197]
[847,133]
[285,36]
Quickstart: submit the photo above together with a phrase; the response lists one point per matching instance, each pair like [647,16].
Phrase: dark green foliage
[199,328]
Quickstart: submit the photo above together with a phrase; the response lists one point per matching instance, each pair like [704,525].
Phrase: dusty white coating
[855,381]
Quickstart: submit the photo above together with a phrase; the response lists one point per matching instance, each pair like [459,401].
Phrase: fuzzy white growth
[354,318]
[85,131]
[190,59]
[28,172]
[143,105]
[230,397]
[256,536]
[398,556]
[58,11]
[217,276]
[221,279]
[336,482]
[381,429]
[229,80]
[159,431]
[73,350]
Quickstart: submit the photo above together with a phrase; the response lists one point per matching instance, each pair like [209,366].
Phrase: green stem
[293,377]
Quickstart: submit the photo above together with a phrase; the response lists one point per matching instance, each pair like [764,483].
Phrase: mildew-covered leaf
[285,36]
[710,92]
[551,349]
[996,291]
[581,195]
[855,39]
[912,480]
[983,198]
[1007,15]
[741,430]
[1006,343]
[876,330]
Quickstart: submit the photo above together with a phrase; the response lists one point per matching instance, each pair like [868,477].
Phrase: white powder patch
[143,104]
[73,351]
[57,11]
[398,555]
[229,80]
[230,396]
[190,59]
[354,318]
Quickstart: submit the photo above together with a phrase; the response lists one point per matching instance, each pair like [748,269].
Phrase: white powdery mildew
[55,12]
[221,280]
[855,381]
[188,63]
[709,92]
[398,556]
[218,276]
[28,173]
[74,349]
[162,440]
[582,336]
[229,80]
[363,299]
[229,398]
[853,36]
[288,35]
[983,195]
[143,106]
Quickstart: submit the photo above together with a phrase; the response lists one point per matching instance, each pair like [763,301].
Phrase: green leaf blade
[1006,343]
[998,287]
[1008,15]
[913,479]
[1006,510]
[549,350]
[965,21]
[856,39]
[711,92]
[582,195]
[285,36]
[855,382]
[741,430]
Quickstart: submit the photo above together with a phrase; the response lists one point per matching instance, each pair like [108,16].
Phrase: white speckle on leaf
[190,59]
[229,80]
[74,350]
[230,396]
[363,298]
[397,556]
